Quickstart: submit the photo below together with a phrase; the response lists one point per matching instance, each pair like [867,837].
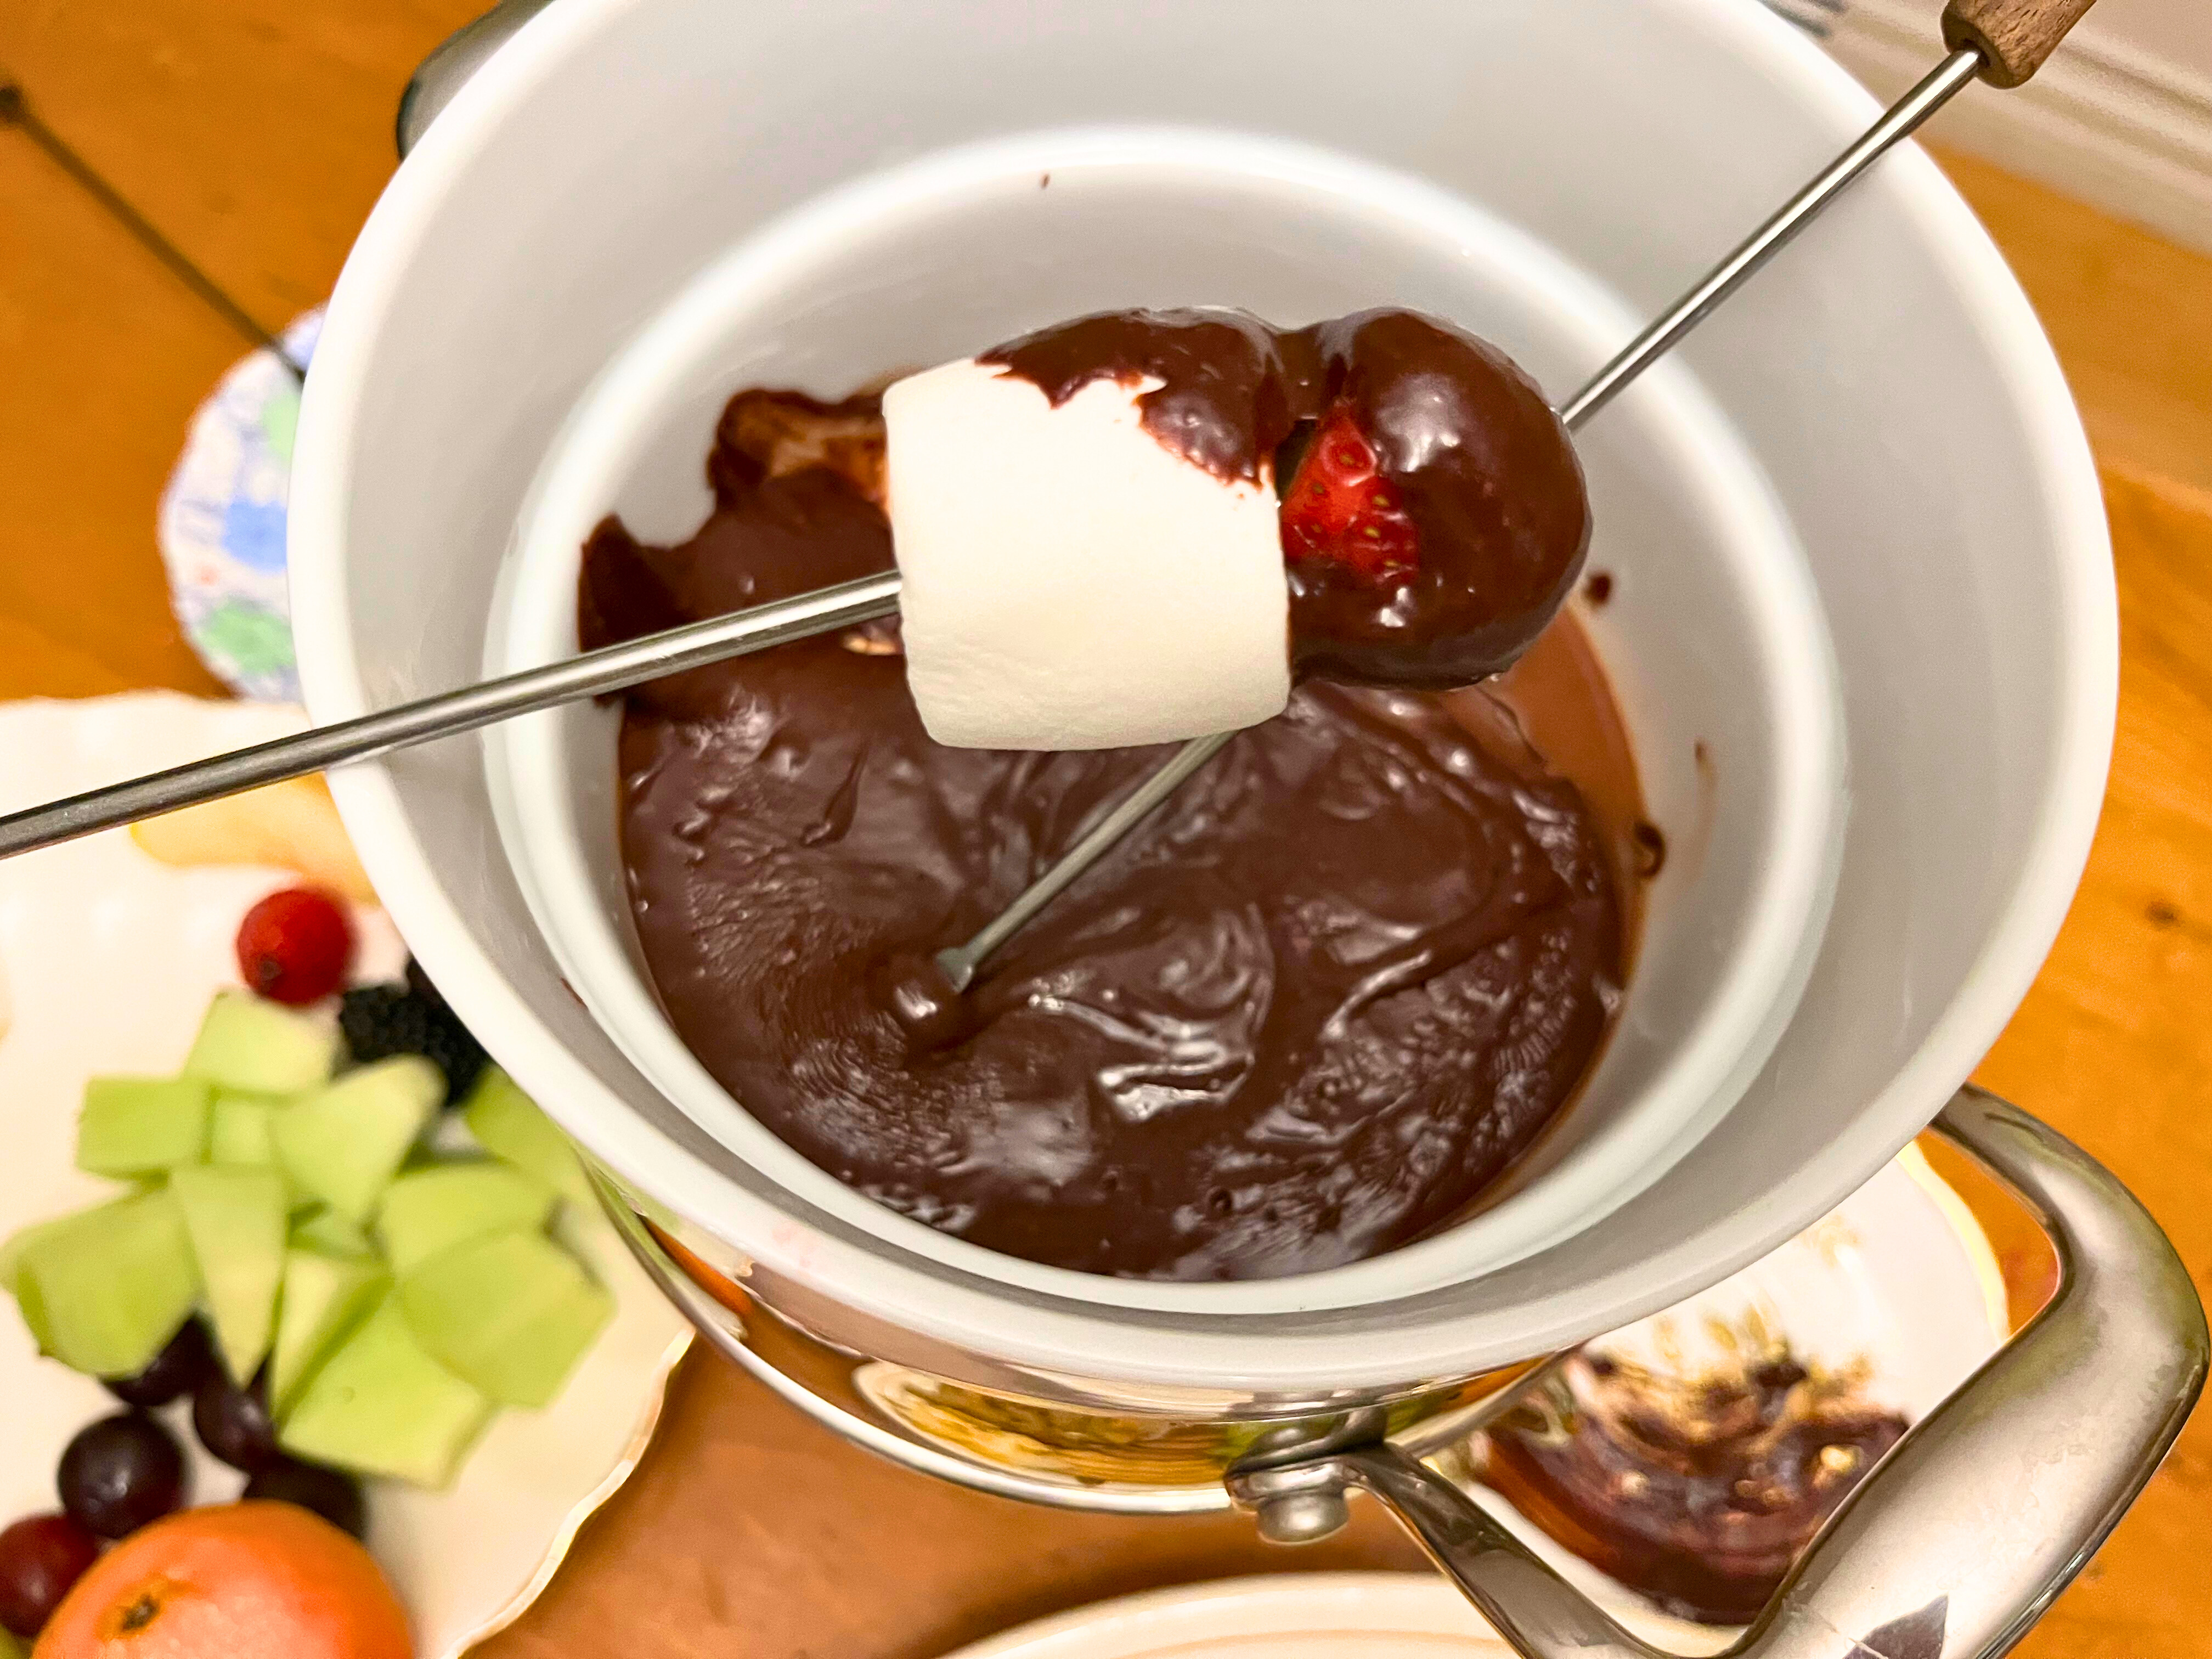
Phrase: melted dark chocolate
[1336,986]
[1233,388]
[1701,1496]
[1479,463]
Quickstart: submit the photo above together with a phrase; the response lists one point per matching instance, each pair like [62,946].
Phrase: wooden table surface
[256,133]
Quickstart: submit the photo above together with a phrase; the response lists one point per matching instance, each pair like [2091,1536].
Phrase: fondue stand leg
[1902,119]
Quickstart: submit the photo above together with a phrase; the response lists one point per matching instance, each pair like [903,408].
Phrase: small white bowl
[1714,636]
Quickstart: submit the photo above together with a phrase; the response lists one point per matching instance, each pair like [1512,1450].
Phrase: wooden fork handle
[2012,36]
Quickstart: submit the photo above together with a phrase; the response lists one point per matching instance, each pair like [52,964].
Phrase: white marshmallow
[1065,581]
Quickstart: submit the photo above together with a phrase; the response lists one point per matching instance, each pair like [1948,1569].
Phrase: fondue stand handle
[1957,1541]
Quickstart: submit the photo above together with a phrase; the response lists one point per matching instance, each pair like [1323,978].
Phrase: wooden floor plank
[105,357]
[2130,315]
[255,133]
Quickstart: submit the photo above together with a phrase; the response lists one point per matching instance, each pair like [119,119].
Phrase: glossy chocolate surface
[1332,989]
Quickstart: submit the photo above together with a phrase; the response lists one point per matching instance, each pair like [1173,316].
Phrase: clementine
[233,1581]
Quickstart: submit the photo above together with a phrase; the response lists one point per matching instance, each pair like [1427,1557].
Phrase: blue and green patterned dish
[221,524]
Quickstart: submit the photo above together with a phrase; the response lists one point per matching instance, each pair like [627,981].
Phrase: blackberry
[378,1021]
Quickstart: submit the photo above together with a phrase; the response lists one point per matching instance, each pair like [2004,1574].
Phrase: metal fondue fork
[2003,42]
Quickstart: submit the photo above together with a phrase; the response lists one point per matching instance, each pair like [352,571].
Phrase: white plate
[107,959]
[1325,1615]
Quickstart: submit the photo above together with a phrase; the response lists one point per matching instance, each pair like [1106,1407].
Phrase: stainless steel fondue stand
[1949,1549]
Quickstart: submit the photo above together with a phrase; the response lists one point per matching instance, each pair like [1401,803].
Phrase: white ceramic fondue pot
[1863,633]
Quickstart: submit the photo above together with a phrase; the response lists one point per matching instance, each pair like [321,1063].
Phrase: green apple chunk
[135,1126]
[331,1233]
[342,1144]
[508,1124]
[241,1129]
[12,1254]
[511,1314]
[105,1290]
[379,1405]
[324,1297]
[235,1218]
[20,1243]
[432,1210]
[260,1047]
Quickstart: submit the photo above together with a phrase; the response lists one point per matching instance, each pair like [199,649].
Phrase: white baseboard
[2105,124]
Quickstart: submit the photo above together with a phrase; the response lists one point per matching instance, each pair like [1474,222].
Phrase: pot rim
[1284,1351]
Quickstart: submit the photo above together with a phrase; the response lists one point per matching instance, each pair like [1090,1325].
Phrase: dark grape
[121,1473]
[331,1493]
[175,1371]
[40,1557]
[233,1422]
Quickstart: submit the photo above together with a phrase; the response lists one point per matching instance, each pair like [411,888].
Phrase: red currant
[295,946]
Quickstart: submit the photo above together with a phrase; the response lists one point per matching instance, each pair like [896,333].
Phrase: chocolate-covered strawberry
[1436,519]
